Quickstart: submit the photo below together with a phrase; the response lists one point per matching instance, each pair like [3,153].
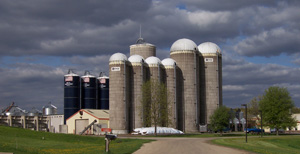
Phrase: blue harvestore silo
[71,94]
[88,91]
[103,92]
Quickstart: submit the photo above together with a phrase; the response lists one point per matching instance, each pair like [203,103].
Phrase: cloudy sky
[41,39]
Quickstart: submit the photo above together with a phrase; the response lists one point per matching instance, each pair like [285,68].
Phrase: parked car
[279,131]
[254,130]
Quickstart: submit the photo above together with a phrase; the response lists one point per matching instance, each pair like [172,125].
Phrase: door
[80,125]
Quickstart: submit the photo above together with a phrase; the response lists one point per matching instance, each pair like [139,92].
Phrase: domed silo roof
[118,57]
[183,44]
[153,61]
[209,47]
[136,59]
[168,62]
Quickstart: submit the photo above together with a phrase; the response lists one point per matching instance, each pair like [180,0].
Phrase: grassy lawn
[273,144]
[19,141]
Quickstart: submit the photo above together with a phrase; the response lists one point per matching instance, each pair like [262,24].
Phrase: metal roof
[136,59]
[209,47]
[118,57]
[153,60]
[183,44]
[168,62]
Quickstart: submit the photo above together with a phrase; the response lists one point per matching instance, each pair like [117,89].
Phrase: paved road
[185,145]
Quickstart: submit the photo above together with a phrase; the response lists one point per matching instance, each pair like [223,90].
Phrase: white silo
[138,77]
[119,93]
[185,53]
[211,78]
[143,49]
[171,83]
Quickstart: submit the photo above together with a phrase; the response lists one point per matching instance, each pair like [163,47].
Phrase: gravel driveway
[172,145]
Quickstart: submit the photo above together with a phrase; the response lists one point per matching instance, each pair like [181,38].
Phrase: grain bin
[211,78]
[49,109]
[71,94]
[119,93]
[143,49]
[88,91]
[103,92]
[138,77]
[185,53]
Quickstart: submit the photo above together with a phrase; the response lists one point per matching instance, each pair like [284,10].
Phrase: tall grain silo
[119,93]
[103,92]
[143,49]
[185,53]
[71,94]
[171,83]
[138,77]
[88,91]
[211,82]
[155,68]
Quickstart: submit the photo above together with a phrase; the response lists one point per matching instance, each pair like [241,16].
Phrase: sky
[41,39]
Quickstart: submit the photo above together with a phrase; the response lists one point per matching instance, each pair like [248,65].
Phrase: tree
[155,104]
[275,105]
[220,119]
[253,107]
[295,110]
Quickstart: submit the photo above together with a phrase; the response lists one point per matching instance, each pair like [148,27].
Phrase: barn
[84,118]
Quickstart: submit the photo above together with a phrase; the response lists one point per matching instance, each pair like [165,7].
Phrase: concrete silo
[171,83]
[143,49]
[155,68]
[119,93]
[185,53]
[211,78]
[71,94]
[88,91]
[103,92]
[138,77]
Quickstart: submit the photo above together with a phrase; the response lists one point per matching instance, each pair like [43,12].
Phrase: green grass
[22,141]
[273,144]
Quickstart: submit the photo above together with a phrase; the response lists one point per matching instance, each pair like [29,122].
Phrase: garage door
[80,124]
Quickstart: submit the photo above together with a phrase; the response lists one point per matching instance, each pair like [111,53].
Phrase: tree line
[275,106]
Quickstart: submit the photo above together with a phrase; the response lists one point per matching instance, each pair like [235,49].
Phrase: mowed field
[272,145]
[22,141]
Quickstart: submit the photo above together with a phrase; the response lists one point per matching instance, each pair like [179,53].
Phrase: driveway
[172,145]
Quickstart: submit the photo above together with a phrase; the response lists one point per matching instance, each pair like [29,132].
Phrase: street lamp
[246,119]
[261,124]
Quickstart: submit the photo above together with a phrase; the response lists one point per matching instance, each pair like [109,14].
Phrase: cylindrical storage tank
[71,94]
[103,92]
[171,83]
[49,109]
[34,112]
[88,91]
[119,93]
[185,53]
[211,78]
[155,68]
[143,49]
[138,77]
